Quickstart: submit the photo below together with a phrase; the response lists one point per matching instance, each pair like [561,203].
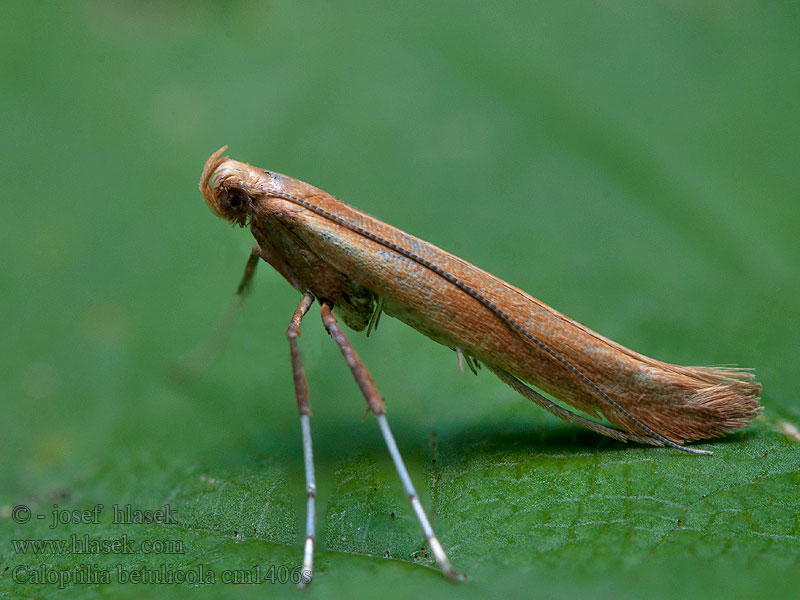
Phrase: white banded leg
[377,406]
[304,408]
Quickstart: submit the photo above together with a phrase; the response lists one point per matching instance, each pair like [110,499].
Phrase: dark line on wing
[507,319]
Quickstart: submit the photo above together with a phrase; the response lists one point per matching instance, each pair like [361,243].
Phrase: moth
[358,267]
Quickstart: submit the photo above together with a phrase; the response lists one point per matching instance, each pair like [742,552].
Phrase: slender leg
[199,359]
[377,406]
[249,271]
[304,408]
[568,415]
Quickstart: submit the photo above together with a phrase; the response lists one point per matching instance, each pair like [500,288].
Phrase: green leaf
[633,166]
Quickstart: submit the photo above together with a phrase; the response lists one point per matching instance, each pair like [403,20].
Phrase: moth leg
[249,270]
[568,415]
[304,408]
[376,316]
[201,357]
[460,358]
[377,406]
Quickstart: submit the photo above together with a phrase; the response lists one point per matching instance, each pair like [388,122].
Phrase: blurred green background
[634,165]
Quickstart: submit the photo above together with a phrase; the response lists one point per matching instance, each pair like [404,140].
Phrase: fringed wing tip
[717,401]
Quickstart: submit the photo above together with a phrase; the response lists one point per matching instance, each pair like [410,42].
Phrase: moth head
[227,188]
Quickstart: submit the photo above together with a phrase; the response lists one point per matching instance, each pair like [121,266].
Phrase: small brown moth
[359,267]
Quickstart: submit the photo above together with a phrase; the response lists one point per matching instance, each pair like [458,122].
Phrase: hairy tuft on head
[214,161]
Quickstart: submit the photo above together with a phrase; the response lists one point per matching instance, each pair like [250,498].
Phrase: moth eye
[236,199]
